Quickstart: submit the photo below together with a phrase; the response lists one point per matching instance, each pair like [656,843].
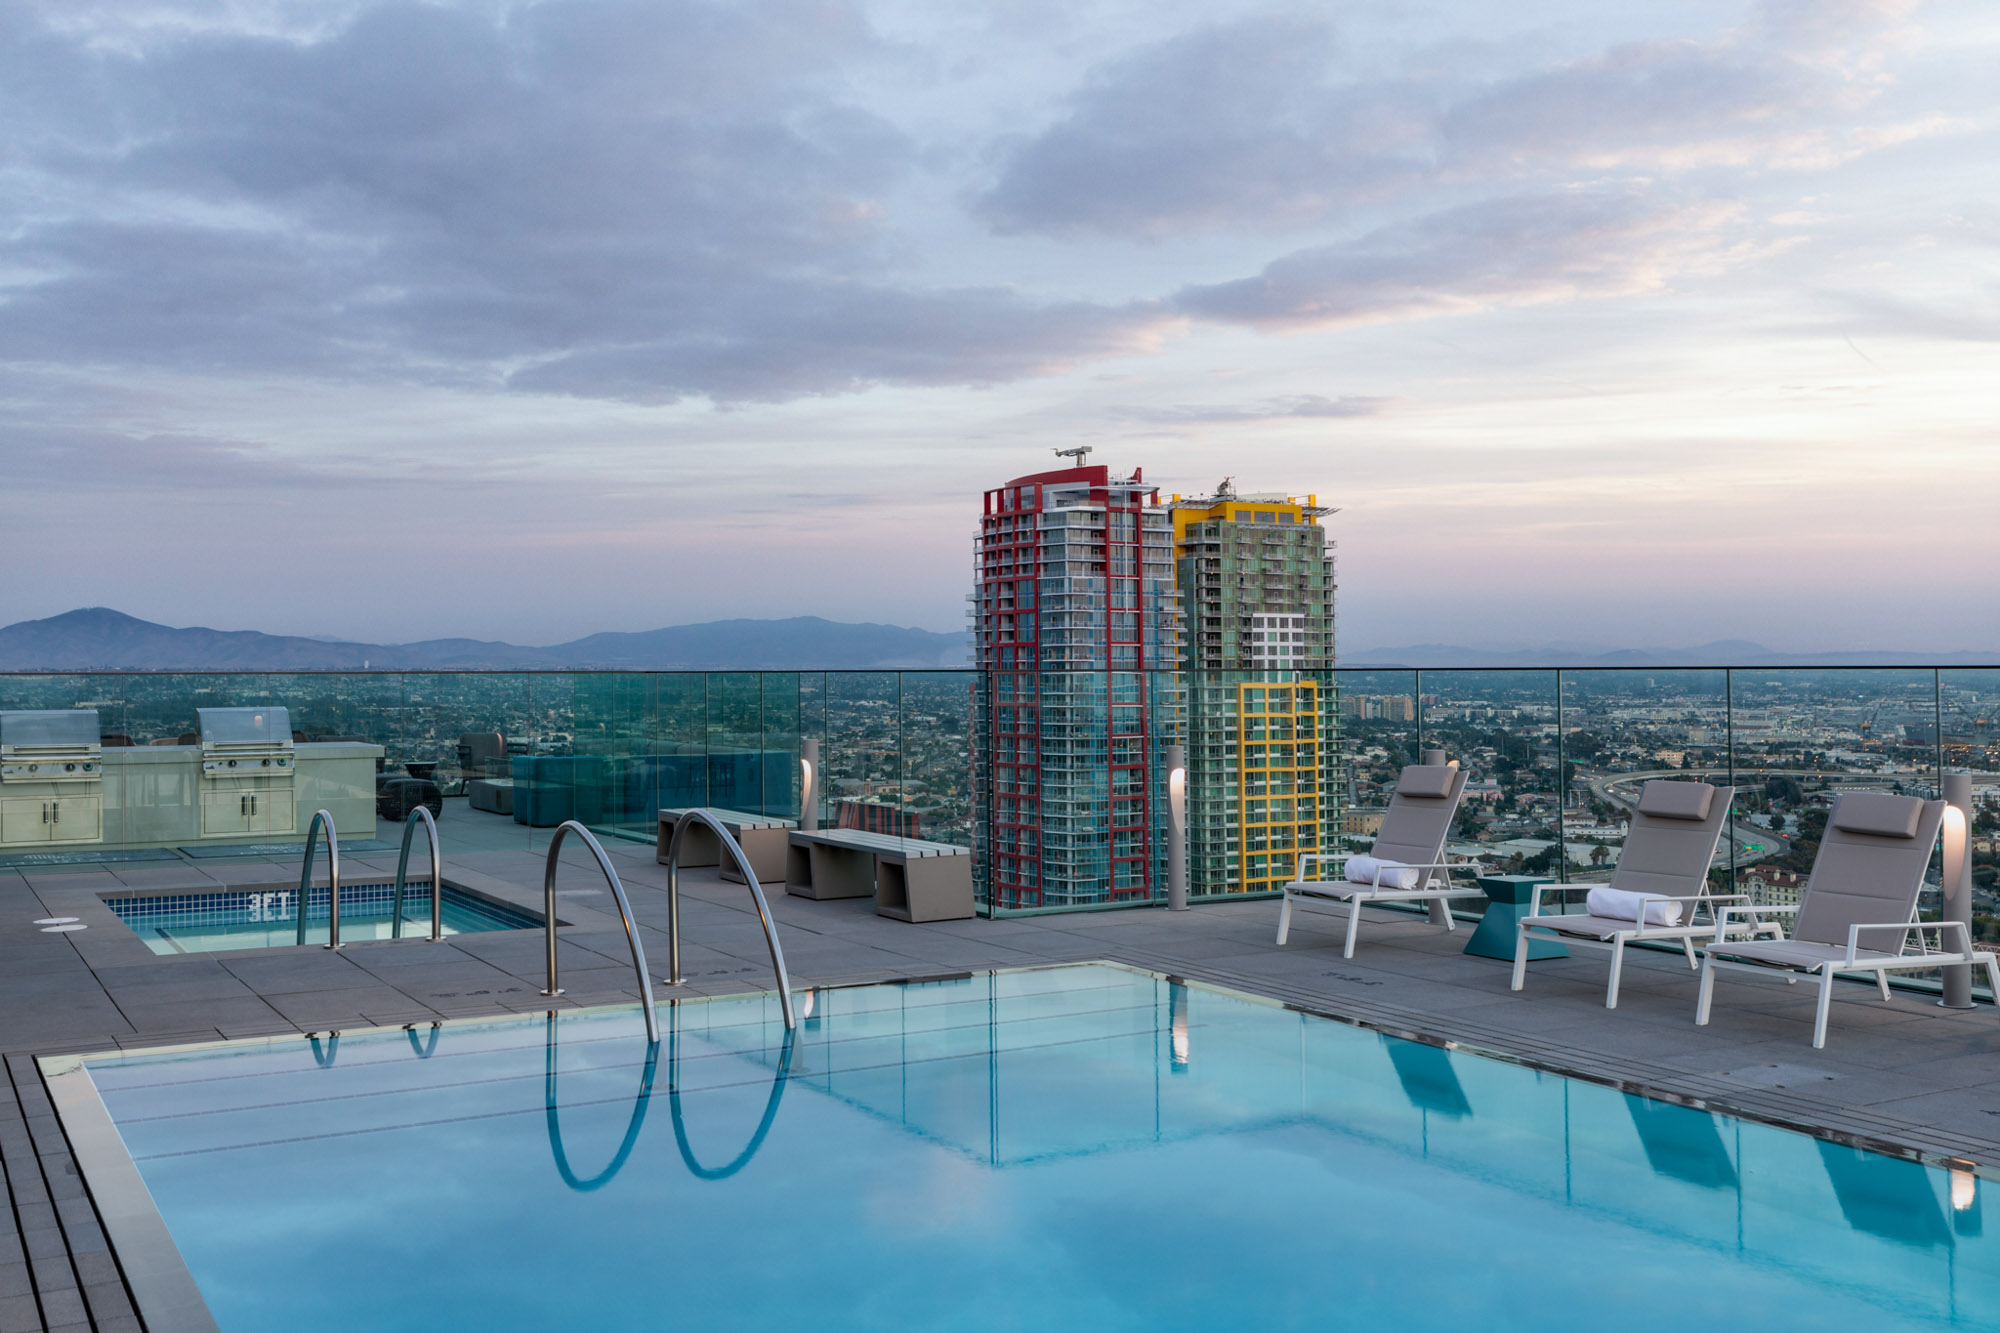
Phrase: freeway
[1753,844]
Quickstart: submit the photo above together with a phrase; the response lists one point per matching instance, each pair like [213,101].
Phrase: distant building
[1076,627]
[1257,590]
[1769,886]
[877,817]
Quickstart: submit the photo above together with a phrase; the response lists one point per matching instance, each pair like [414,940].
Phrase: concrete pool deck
[1905,1076]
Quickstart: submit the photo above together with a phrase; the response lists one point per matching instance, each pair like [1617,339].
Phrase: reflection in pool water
[1081,1147]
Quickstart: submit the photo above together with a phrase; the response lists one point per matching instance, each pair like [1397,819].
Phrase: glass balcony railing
[1056,783]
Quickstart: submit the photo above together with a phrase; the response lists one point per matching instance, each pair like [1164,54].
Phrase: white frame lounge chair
[1669,844]
[1412,837]
[1864,881]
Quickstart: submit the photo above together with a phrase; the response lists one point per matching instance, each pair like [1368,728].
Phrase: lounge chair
[1659,890]
[1864,884]
[1408,847]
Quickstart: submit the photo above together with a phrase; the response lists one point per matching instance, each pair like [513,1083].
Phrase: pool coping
[168,1300]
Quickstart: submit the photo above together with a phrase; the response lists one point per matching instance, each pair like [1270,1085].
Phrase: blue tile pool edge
[164,1290]
[417,889]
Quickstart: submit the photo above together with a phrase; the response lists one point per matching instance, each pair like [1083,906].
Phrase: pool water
[1074,1148]
[263,919]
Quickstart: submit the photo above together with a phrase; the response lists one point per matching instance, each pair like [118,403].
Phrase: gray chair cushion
[1878,813]
[1676,800]
[1433,780]
[1671,854]
[1866,878]
[1414,827]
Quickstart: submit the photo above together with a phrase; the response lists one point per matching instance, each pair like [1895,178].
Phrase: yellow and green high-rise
[1256,576]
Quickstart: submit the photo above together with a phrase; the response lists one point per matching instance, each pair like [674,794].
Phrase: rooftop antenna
[1080,454]
[1225,490]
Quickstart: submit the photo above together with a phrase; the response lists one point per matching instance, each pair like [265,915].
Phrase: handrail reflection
[553,1114]
[324,1058]
[771,1104]
[426,1050]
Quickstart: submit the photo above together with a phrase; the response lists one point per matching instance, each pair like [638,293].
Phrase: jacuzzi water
[212,922]
[1074,1148]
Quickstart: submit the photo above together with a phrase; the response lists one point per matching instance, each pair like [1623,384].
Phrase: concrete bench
[911,880]
[762,838]
[493,795]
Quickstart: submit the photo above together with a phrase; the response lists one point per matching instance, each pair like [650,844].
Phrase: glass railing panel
[739,769]
[934,740]
[551,782]
[778,736]
[1624,728]
[1804,736]
[613,772]
[1502,728]
[864,780]
[459,724]
[1377,713]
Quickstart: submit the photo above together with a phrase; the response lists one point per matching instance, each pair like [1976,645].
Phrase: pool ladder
[421,815]
[631,925]
[323,820]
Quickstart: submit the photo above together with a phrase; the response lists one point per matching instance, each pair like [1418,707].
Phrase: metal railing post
[321,819]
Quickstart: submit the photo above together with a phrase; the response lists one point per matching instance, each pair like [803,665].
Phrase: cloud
[1261,124]
[1226,124]
[1295,407]
[642,199]
[1526,250]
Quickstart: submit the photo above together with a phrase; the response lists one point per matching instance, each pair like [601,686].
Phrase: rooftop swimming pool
[1083,1147]
[213,922]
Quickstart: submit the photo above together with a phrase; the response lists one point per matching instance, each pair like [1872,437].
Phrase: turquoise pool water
[266,918]
[1077,1148]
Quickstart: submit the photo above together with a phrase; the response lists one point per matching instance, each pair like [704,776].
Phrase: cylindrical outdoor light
[1956,882]
[1177,878]
[808,785]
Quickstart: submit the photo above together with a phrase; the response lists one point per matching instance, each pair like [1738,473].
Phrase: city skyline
[1650,324]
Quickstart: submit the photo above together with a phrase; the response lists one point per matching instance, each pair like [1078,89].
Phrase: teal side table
[1508,897]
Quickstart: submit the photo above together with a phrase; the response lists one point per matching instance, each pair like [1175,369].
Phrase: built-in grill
[51,745]
[245,742]
[51,777]
[246,767]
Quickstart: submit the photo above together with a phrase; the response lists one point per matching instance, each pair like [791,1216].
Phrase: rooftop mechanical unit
[247,770]
[51,777]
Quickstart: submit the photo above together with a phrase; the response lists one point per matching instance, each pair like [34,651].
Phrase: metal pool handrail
[735,850]
[321,819]
[624,915]
[437,875]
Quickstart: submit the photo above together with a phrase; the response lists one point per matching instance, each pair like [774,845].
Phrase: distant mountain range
[99,639]
[1723,652]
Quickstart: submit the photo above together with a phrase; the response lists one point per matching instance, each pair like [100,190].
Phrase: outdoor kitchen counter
[152,793]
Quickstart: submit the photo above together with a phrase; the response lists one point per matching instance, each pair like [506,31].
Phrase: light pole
[1956,883]
[808,785]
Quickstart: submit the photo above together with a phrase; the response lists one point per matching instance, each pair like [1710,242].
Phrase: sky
[1635,324]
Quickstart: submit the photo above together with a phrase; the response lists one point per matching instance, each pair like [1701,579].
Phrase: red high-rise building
[1076,626]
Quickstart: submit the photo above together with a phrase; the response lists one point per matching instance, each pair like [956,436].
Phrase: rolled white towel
[1388,874]
[1623,904]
